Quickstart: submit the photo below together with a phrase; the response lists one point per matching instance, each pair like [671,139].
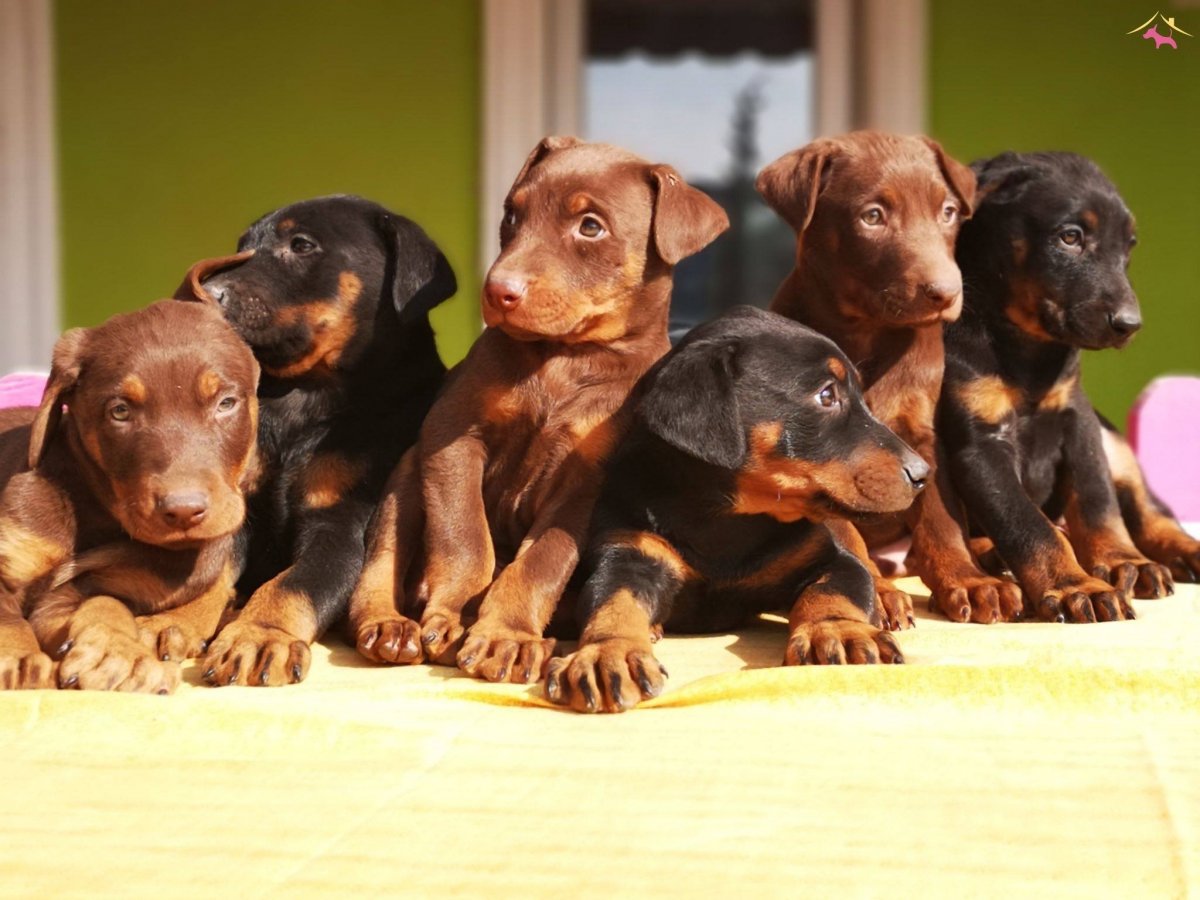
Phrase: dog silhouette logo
[1152,34]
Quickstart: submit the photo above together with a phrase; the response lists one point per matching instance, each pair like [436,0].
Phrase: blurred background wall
[178,123]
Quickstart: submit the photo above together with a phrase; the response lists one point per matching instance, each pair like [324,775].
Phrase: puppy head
[162,419]
[312,280]
[587,227]
[780,408]
[876,216]
[1054,229]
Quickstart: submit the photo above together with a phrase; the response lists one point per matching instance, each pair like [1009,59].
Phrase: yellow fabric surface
[1008,760]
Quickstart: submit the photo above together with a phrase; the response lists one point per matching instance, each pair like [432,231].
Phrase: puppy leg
[634,580]
[184,631]
[1056,588]
[1153,528]
[507,642]
[460,560]
[893,608]
[377,627]
[23,665]
[830,623]
[959,590]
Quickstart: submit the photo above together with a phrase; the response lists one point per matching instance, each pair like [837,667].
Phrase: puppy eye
[590,227]
[949,213]
[510,218]
[872,216]
[226,404]
[119,412]
[301,245]
[1071,237]
[1132,241]
[828,395]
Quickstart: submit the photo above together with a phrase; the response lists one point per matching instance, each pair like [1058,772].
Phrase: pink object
[1159,39]
[1164,431]
[21,389]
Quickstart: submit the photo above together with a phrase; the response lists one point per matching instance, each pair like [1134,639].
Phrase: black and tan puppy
[333,296]
[510,458]
[126,502]
[1044,262]
[749,436]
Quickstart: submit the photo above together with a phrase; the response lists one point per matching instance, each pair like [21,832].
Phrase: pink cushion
[21,389]
[1164,430]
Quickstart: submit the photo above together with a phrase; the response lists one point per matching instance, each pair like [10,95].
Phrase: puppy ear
[64,375]
[544,148]
[792,184]
[686,220]
[1002,179]
[192,287]
[421,274]
[691,404]
[960,178]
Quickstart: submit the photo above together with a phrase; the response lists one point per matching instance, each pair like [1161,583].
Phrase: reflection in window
[717,88]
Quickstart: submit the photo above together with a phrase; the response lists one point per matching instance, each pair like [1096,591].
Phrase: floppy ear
[686,220]
[960,178]
[691,404]
[421,275]
[544,148]
[192,287]
[792,184]
[1001,179]
[64,374]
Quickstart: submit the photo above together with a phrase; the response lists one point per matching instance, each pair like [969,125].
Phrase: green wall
[182,121]
[1032,75]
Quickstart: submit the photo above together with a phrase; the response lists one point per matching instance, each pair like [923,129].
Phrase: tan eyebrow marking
[209,383]
[133,388]
[837,369]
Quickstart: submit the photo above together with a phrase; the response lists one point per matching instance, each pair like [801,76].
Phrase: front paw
[101,658]
[978,598]
[27,671]
[393,639]
[609,676]
[1135,576]
[169,639]
[1082,599]
[441,633]
[893,607]
[503,654]
[250,654]
[840,641]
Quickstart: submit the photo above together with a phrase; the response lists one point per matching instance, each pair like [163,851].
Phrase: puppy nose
[183,509]
[1124,322]
[916,470]
[942,292]
[504,293]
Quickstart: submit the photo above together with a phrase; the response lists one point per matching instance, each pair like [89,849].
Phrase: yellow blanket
[1010,760]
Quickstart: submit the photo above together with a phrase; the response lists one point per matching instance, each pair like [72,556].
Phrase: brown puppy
[125,502]
[509,460]
[876,216]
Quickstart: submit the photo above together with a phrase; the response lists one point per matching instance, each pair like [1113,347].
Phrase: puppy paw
[838,642]
[27,671]
[1178,551]
[503,654]
[1135,576]
[978,598]
[893,607]
[101,658]
[259,655]
[441,633]
[1083,599]
[610,676]
[393,639]
[170,639]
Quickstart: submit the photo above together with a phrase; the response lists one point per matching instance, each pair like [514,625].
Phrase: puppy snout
[942,292]
[504,293]
[183,509]
[1124,322]
[916,470]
